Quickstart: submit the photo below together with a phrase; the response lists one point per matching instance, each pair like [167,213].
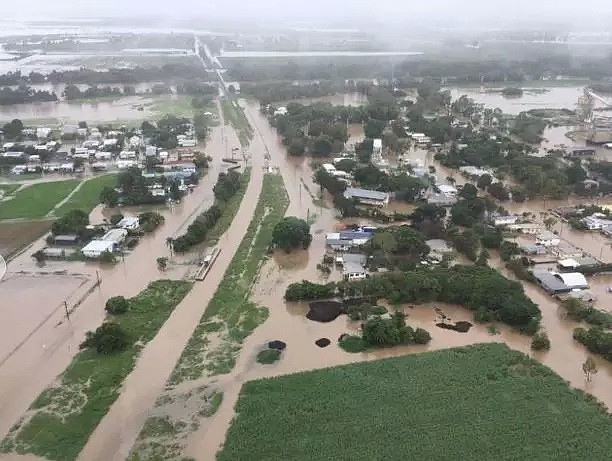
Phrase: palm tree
[170,245]
[452,181]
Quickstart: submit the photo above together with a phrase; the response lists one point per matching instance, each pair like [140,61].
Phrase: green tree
[12,130]
[109,196]
[107,339]
[540,342]
[117,305]
[322,146]
[291,233]
[469,192]
[72,222]
[374,128]
[589,367]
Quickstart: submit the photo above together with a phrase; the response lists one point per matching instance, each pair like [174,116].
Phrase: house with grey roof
[367,197]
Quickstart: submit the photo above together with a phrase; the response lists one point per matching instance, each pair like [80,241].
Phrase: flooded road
[116,433]
[52,345]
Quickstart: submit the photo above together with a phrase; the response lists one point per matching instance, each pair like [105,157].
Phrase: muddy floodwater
[287,321]
[553,97]
[125,108]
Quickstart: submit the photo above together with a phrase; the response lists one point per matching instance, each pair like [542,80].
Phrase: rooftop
[365,194]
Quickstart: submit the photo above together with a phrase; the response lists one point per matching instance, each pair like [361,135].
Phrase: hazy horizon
[324,12]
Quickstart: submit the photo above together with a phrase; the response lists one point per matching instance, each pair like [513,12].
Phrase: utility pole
[66,309]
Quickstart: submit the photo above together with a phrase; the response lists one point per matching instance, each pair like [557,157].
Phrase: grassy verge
[234,317]
[233,114]
[179,106]
[37,200]
[62,418]
[88,196]
[472,403]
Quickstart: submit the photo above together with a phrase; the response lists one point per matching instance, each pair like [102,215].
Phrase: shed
[573,280]
[67,239]
[368,197]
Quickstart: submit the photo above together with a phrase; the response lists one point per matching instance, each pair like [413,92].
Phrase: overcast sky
[265,10]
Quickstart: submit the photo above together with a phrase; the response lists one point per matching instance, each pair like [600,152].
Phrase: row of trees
[228,184]
[479,288]
[596,340]
[24,95]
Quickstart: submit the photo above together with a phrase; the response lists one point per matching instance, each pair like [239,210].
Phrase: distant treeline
[180,71]
[410,71]
[24,94]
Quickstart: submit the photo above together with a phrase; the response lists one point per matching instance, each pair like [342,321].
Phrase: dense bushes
[291,233]
[309,291]
[481,289]
[391,332]
[226,187]
[107,339]
[72,222]
[596,340]
[150,220]
[197,230]
[117,305]
[580,311]
[540,342]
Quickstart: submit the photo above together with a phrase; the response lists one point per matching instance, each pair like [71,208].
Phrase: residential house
[547,239]
[447,190]
[596,221]
[129,223]
[525,228]
[503,221]
[367,197]
[565,250]
[95,248]
[353,266]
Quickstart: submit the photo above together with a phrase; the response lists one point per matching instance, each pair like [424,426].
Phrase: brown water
[49,350]
[104,111]
[555,97]
[287,322]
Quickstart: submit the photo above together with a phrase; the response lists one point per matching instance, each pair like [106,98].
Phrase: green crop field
[37,200]
[484,402]
[88,196]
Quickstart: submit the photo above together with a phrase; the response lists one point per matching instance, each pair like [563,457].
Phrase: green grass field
[37,200]
[480,403]
[63,417]
[88,196]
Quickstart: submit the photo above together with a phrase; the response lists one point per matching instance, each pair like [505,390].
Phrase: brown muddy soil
[459,327]
[16,235]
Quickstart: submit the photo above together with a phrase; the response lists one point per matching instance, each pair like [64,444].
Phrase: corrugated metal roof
[573,279]
[365,194]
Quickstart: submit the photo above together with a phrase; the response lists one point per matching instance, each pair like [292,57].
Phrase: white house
[280,111]
[447,190]
[129,223]
[502,221]
[547,239]
[95,248]
[526,228]
[115,236]
[596,221]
